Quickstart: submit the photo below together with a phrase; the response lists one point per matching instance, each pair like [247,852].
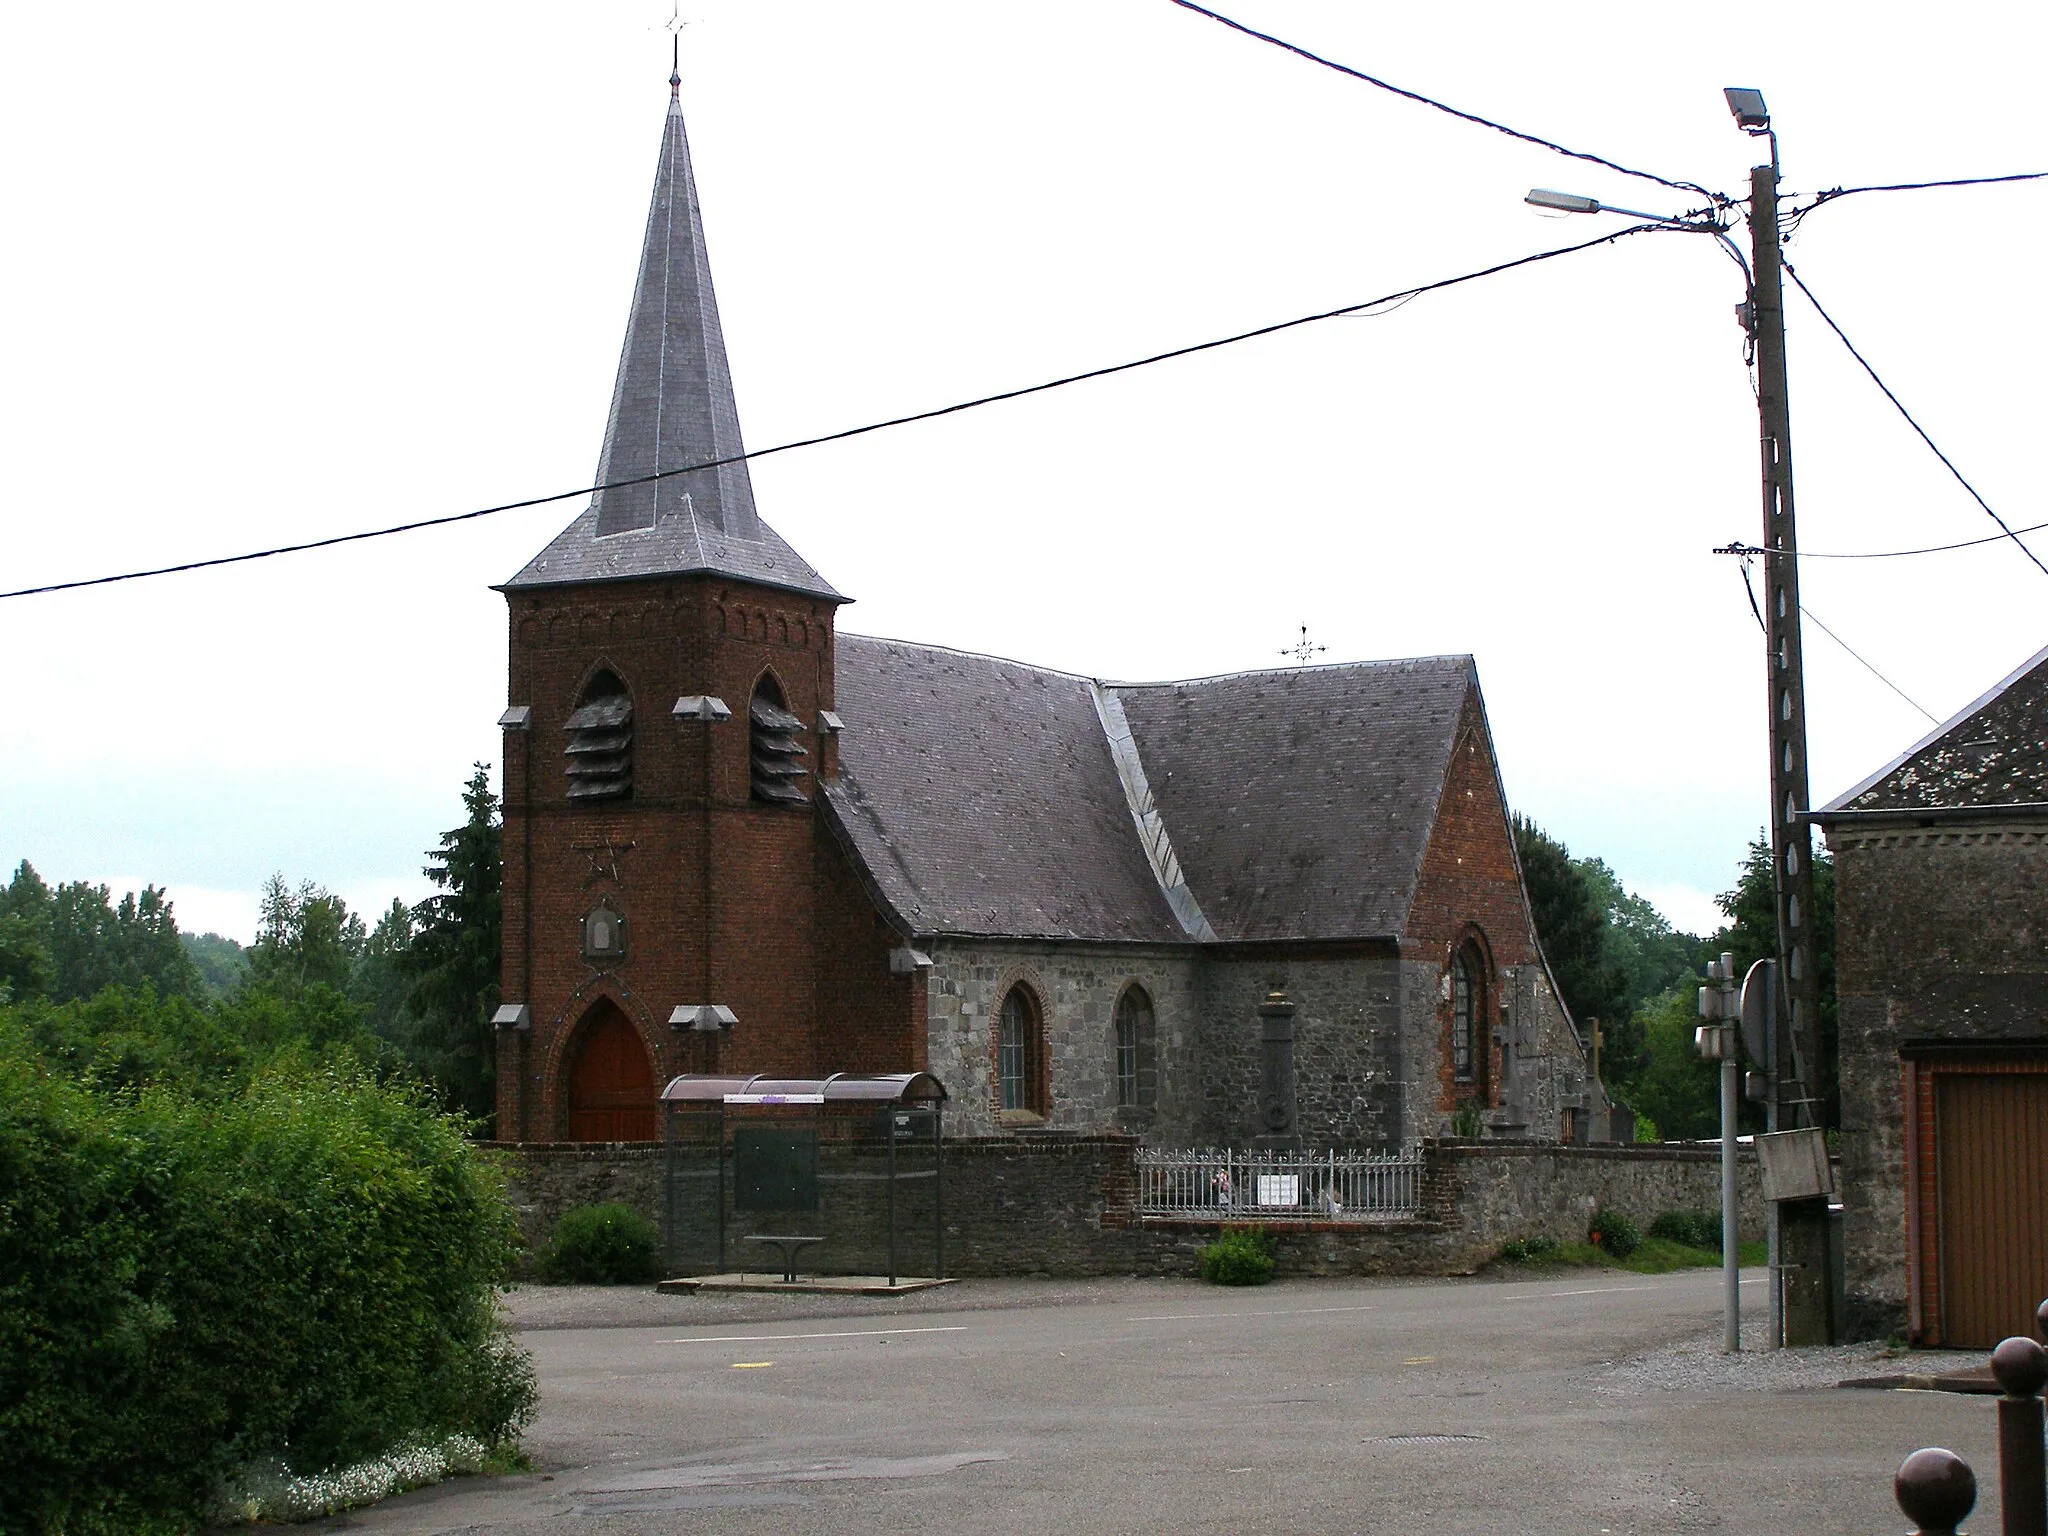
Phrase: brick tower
[671,695]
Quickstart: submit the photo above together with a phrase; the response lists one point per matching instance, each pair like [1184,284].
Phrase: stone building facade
[739,839]
[1941,878]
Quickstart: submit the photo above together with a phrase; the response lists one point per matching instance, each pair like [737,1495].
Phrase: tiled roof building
[1941,981]
[739,839]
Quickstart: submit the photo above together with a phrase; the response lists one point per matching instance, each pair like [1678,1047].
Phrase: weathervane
[1303,649]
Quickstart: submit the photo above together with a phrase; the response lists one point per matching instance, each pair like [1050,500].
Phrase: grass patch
[1655,1256]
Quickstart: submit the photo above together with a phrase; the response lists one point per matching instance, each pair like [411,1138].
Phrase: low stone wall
[543,1180]
[1067,1206]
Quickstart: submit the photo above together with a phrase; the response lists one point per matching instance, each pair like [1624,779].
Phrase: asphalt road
[1581,1402]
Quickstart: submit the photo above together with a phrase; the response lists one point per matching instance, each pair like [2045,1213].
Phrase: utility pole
[1791,837]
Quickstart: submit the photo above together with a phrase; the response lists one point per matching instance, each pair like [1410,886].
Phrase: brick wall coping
[1405,1227]
[1625,1152]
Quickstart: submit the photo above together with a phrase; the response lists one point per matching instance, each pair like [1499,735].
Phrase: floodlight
[1748,106]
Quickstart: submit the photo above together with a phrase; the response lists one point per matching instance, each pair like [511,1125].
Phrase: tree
[380,981]
[453,958]
[1653,956]
[306,937]
[1571,925]
[73,941]
[219,959]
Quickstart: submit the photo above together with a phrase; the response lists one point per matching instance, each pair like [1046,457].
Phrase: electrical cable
[1878,554]
[1829,196]
[1946,461]
[1402,294]
[1747,551]
[1895,688]
[1430,101]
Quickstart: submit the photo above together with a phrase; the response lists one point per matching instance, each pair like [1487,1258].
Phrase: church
[740,840]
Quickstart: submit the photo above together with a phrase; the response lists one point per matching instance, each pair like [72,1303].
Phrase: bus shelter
[841,1175]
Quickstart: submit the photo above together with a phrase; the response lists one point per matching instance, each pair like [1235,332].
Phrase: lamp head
[1563,202]
[1747,106]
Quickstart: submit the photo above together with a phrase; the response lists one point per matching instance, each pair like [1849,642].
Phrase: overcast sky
[278,272]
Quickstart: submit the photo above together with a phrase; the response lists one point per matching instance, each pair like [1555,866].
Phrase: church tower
[671,696]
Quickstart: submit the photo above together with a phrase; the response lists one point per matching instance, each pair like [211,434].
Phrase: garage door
[1991,1196]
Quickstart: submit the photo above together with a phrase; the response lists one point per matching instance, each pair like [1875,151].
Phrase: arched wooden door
[611,1081]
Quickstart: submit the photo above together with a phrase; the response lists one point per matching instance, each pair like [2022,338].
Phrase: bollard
[1935,1488]
[2021,1368]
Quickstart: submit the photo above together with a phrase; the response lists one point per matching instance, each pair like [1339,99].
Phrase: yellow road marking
[751,1365]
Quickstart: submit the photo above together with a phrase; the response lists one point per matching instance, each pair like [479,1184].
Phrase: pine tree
[453,958]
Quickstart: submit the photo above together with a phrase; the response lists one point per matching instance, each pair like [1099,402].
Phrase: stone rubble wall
[1052,1205]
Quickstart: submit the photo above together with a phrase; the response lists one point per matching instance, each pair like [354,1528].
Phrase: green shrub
[1468,1123]
[301,1266]
[602,1245]
[1690,1229]
[1615,1234]
[1521,1250]
[1241,1256]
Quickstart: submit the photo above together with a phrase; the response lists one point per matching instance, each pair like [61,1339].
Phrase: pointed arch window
[1464,1017]
[600,749]
[1020,1054]
[777,753]
[1135,1075]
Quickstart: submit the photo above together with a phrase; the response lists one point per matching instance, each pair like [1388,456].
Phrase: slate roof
[981,797]
[672,405]
[1994,753]
[1300,801]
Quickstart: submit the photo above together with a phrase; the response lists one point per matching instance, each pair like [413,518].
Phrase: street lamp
[1763,318]
[1572,202]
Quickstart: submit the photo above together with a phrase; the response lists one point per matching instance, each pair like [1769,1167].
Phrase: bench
[790,1247]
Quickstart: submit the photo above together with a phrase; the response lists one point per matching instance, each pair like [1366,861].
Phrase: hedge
[302,1268]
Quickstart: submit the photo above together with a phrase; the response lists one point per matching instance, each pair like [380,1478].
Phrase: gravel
[1697,1365]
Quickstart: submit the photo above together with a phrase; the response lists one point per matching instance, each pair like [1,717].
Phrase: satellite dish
[1759,992]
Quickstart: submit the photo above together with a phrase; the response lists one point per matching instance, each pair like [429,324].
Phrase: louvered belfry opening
[778,769]
[600,750]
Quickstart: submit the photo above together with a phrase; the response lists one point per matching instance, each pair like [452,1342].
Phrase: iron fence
[1233,1183]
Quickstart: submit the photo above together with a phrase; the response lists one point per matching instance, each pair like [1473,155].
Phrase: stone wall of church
[1076,987]
[1349,1045]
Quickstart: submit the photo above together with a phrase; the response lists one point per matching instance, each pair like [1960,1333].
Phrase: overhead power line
[1895,688]
[1746,552]
[1430,101]
[1947,462]
[1402,294]
[1739,548]
[1834,193]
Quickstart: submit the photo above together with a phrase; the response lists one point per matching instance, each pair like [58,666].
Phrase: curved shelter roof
[839,1088]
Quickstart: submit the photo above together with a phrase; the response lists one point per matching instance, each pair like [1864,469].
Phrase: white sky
[276,272]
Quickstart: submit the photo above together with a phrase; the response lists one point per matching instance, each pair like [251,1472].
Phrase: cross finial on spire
[675,25]
[1303,649]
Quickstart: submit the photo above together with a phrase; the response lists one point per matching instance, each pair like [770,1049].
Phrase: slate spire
[672,403]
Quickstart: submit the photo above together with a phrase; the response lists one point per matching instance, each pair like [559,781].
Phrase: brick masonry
[1940,939]
[1067,1206]
[793,948]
